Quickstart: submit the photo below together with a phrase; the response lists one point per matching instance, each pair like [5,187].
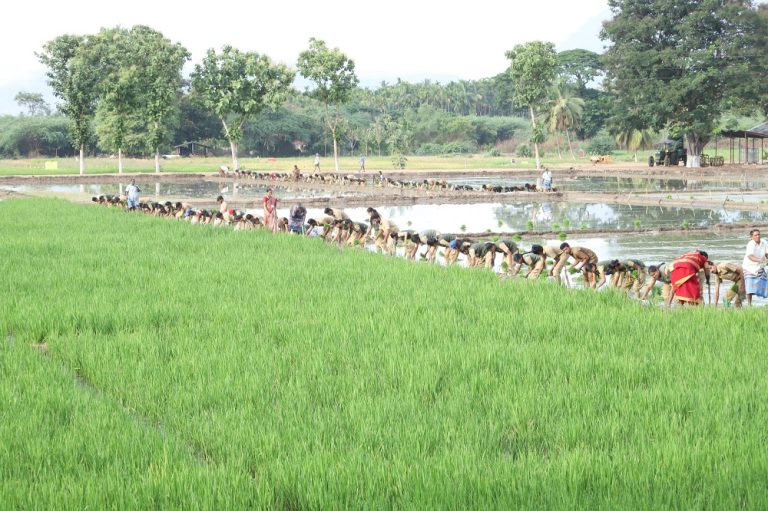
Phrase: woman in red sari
[684,277]
[270,211]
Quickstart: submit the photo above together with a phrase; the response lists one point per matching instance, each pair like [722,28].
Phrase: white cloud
[402,38]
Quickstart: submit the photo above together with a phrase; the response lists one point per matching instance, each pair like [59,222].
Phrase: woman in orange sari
[270,211]
[684,277]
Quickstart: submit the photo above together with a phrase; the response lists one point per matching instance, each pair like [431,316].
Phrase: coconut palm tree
[634,139]
[563,113]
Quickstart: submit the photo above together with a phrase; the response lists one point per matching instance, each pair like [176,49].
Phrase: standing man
[755,278]
[317,162]
[133,195]
[362,163]
[546,180]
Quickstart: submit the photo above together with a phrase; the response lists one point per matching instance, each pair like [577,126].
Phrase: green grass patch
[196,367]
[347,164]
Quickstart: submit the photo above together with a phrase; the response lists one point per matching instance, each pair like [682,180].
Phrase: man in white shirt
[755,279]
[546,180]
[133,195]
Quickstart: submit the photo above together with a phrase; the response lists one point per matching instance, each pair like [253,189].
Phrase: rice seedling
[188,366]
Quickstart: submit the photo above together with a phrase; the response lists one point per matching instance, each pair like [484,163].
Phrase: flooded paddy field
[545,216]
[182,190]
[618,183]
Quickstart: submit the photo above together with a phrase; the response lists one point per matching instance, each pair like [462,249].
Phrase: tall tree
[676,65]
[75,82]
[533,69]
[236,85]
[33,102]
[197,123]
[160,62]
[112,51]
[334,77]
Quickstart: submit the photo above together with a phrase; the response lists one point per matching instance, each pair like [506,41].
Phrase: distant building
[193,149]
[300,146]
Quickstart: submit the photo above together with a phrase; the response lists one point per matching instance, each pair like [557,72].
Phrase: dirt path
[564,170]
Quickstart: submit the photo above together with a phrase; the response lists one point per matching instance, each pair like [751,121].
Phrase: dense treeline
[121,91]
[418,118]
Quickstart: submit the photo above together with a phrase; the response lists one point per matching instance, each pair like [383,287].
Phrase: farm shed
[193,149]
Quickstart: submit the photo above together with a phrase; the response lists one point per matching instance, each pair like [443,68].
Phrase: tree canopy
[333,74]
[671,65]
[578,67]
[237,85]
[75,82]
[678,65]
[34,103]
[533,68]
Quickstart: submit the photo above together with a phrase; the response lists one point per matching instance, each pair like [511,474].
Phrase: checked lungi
[757,283]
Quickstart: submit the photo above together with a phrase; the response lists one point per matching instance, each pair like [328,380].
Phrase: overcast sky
[409,39]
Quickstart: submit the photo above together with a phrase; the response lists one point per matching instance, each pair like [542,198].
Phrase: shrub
[523,151]
[601,144]
[460,147]
[430,149]
[399,161]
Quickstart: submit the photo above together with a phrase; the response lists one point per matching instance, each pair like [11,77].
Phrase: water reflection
[556,216]
[187,190]
[617,184]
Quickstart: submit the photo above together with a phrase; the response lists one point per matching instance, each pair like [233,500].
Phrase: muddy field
[340,195]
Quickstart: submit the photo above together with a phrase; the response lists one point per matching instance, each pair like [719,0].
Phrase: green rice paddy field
[153,364]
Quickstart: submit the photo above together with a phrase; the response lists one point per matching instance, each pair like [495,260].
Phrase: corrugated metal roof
[761,129]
